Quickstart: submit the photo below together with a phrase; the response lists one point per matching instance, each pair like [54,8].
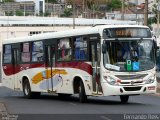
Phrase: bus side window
[64,49]
[7,56]
[80,48]
[25,52]
[37,51]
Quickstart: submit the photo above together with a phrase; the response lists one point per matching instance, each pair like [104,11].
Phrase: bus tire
[82,94]
[27,91]
[124,98]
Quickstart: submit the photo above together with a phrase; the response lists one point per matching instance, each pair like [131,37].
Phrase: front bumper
[129,89]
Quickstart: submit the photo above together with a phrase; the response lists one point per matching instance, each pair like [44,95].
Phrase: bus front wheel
[124,98]
[82,94]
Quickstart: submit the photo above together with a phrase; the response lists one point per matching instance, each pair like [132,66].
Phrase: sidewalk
[2,108]
[3,112]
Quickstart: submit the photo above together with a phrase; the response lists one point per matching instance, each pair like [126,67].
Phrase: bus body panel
[60,77]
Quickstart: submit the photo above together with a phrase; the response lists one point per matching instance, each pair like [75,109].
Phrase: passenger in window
[77,48]
[126,52]
[82,52]
[63,52]
[119,54]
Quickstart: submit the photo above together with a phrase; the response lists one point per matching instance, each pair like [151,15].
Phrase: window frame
[21,51]
[3,61]
[31,52]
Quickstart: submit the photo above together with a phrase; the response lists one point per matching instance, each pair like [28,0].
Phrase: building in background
[39,5]
[31,6]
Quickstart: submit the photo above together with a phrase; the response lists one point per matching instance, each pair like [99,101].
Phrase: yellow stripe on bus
[40,77]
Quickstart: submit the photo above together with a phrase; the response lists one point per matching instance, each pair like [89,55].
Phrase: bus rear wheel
[82,94]
[27,91]
[124,98]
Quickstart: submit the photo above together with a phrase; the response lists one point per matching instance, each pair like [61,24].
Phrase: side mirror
[104,48]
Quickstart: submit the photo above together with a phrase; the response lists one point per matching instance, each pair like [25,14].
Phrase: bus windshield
[129,55]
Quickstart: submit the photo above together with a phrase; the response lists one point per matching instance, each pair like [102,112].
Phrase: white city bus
[97,61]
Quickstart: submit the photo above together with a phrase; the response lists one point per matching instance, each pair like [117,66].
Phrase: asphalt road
[97,108]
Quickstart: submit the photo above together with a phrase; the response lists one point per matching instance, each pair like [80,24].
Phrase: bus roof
[67,33]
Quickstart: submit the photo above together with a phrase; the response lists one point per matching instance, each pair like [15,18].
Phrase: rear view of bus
[128,66]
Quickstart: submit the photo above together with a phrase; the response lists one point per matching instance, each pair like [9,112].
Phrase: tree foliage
[154,11]
[52,1]
[67,13]
[115,4]
[19,13]
[4,1]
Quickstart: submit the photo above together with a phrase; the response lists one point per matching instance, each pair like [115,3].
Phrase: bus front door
[50,67]
[16,68]
[95,59]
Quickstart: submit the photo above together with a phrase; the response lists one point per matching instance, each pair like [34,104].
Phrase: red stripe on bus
[11,69]
[78,65]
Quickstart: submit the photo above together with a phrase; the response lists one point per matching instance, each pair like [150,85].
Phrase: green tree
[9,13]
[115,4]
[19,13]
[52,1]
[152,20]
[47,13]
[67,13]
[155,12]
[4,1]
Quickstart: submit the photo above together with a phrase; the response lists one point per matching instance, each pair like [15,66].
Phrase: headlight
[150,80]
[110,80]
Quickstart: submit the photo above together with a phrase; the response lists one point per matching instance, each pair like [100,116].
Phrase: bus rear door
[16,66]
[50,65]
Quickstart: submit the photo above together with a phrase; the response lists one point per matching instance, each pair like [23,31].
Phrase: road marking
[104,117]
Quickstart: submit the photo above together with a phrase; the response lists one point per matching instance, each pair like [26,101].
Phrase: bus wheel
[124,98]
[82,94]
[27,91]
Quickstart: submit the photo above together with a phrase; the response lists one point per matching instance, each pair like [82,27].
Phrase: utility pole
[83,8]
[73,14]
[122,10]
[146,13]
[24,13]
